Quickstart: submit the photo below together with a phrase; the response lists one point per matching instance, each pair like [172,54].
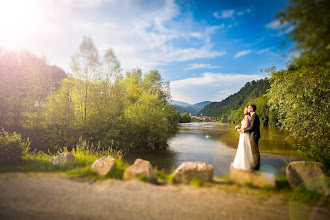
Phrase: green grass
[85,155]
[196,182]
[282,190]
[162,175]
[141,176]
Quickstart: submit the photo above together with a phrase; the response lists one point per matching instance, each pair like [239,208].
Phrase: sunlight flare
[20,20]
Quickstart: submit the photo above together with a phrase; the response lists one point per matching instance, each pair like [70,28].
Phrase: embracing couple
[247,155]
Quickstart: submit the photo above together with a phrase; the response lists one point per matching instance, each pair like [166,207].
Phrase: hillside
[188,109]
[185,107]
[251,90]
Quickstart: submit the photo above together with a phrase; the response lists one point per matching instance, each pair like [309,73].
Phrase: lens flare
[315,191]
[269,169]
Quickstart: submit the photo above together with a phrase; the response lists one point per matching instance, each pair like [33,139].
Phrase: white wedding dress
[244,159]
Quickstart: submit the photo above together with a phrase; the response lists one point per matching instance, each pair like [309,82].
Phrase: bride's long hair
[247,113]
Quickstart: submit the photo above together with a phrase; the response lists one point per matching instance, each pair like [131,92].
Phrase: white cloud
[264,50]
[282,28]
[209,86]
[275,25]
[201,65]
[242,53]
[224,14]
[142,35]
[243,12]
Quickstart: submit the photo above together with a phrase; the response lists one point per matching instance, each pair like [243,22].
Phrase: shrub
[12,147]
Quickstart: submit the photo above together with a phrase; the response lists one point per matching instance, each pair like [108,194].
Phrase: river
[216,144]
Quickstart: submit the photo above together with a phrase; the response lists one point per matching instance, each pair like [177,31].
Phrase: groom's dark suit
[254,131]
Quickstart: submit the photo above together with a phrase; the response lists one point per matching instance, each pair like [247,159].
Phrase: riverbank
[58,196]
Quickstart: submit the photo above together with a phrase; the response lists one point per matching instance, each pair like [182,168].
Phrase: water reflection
[216,143]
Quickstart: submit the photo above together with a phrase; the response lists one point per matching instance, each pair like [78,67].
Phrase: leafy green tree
[302,99]
[122,112]
[85,66]
[26,80]
[184,118]
[95,101]
[301,94]
[308,22]
[151,122]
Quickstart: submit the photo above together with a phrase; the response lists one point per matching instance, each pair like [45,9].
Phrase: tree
[26,81]
[122,112]
[301,94]
[302,99]
[151,122]
[85,66]
[184,118]
[308,21]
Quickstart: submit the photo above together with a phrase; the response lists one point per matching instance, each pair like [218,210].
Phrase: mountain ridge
[189,108]
[249,91]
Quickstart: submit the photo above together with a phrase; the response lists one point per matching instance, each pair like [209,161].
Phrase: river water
[216,144]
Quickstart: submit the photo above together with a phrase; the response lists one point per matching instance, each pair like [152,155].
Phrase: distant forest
[231,108]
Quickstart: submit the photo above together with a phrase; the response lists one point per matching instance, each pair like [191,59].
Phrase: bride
[244,159]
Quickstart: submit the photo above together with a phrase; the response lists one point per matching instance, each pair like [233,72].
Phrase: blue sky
[206,49]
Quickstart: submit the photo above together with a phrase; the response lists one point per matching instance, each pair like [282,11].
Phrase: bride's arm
[246,120]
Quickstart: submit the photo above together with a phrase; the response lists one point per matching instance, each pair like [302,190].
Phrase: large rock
[141,169]
[189,170]
[104,165]
[313,174]
[63,159]
[256,178]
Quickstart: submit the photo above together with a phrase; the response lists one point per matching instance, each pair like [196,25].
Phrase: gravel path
[44,196]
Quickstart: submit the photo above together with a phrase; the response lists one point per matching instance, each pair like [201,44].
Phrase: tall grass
[85,155]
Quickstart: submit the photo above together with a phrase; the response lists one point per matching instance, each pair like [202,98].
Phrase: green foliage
[162,175]
[141,176]
[301,194]
[302,99]
[282,183]
[12,147]
[185,118]
[26,80]
[85,155]
[301,94]
[315,153]
[231,109]
[309,24]
[95,101]
[150,122]
[223,109]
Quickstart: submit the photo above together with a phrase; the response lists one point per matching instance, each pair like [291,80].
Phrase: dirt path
[41,196]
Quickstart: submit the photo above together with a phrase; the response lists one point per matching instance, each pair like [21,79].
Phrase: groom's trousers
[255,152]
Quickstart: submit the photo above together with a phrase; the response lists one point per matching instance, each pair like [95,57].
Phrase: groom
[254,131]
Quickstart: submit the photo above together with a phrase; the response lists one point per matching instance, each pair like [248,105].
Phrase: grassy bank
[86,154]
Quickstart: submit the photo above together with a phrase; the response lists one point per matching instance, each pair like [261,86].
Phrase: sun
[19,20]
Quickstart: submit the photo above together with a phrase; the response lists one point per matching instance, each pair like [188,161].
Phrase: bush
[12,147]
[185,118]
